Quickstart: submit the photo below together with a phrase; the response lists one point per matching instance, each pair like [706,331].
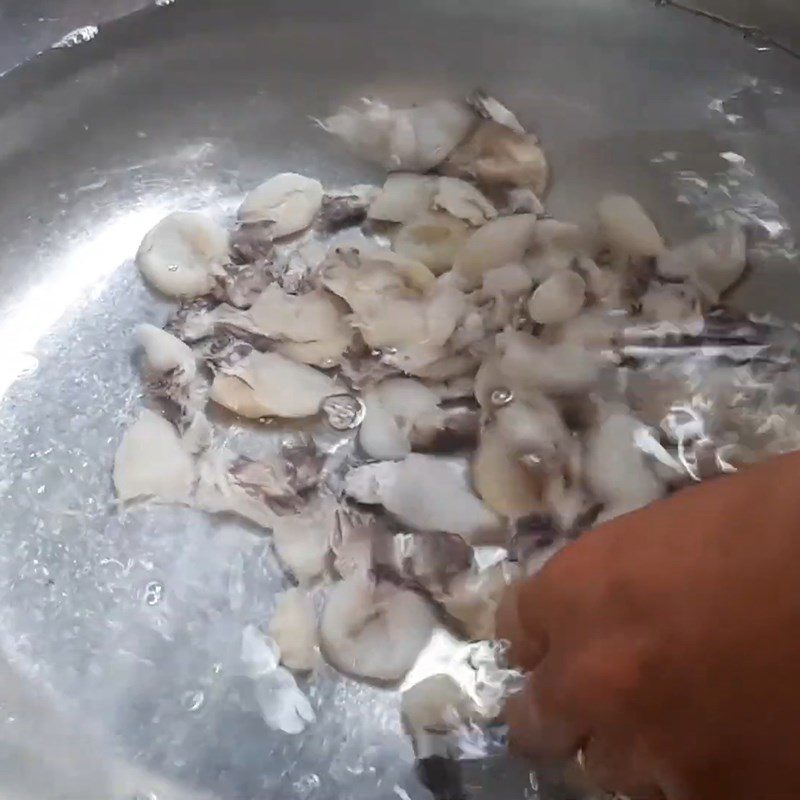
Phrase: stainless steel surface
[127,625]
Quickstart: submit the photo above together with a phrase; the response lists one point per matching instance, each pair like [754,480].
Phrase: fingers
[543,723]
[525,651]
[617,765]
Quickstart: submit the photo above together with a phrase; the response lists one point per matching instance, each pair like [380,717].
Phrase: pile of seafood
[448,385]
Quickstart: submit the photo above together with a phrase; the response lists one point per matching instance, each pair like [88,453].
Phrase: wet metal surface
[123,629]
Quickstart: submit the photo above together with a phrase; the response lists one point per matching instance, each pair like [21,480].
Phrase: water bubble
[307,785]
[501,396]
[153,593]
[193,700]
[343,411]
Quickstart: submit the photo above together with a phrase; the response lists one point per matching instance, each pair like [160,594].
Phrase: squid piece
[404,196]
[495,155]
[501,480]
[293,626]
[374,630]
[152,463]
[464,201]
[474,596]
[713,262]
[183,254]
[303,541]
[427,493]
[490,107]
[165,353]
[558,299]
[312,327]
[394,409]
[271,385]
[616,469]
[626,228]
[288,202]
[556,369]
[500,242]
[414,139]
[345,209]
[434,238]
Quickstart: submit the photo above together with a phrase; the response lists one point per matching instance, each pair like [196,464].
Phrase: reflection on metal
[754,33]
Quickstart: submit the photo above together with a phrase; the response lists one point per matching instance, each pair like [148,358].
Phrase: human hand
[664,647]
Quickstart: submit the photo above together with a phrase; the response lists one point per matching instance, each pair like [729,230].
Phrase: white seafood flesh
[313,323]
[404,195]
[436,704]
[533,426]
[271,385]
[374,630]
[303,541]
[294,627]
[288,200]
[500,242]
[394,408]
[183,253]
[616,469]
[429,493]
[626,228]
[463,200]
[166,353]
[414,139]
[151,462]
[558,299]
[512,280]
[713,262]
[473,598]
[548,368]
[433,238]
[502,481]
[494,155]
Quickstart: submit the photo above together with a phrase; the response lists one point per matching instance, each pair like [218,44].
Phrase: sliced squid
[294,627]
[434,238]
[288,201]
[183,254]
[345,209]
[558,299]
[713,262]
[271,385]
[533,426]
[151,462]
[374,630]
[313,325]
[436,704]
[490,107]
[554,247]
[463,200]
[494,155]
[392,306]
[626,228]
[512,280]
[501,480]
[473,597]
[164,352]
[616,469]
[395,408]
[303,541]
[428,493]
[415,139]
[500,242]
[561,368]
[404,195]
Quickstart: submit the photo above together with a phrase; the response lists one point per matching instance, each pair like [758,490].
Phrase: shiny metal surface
[122,629]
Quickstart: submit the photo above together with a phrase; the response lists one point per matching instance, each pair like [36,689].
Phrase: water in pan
[130,624]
